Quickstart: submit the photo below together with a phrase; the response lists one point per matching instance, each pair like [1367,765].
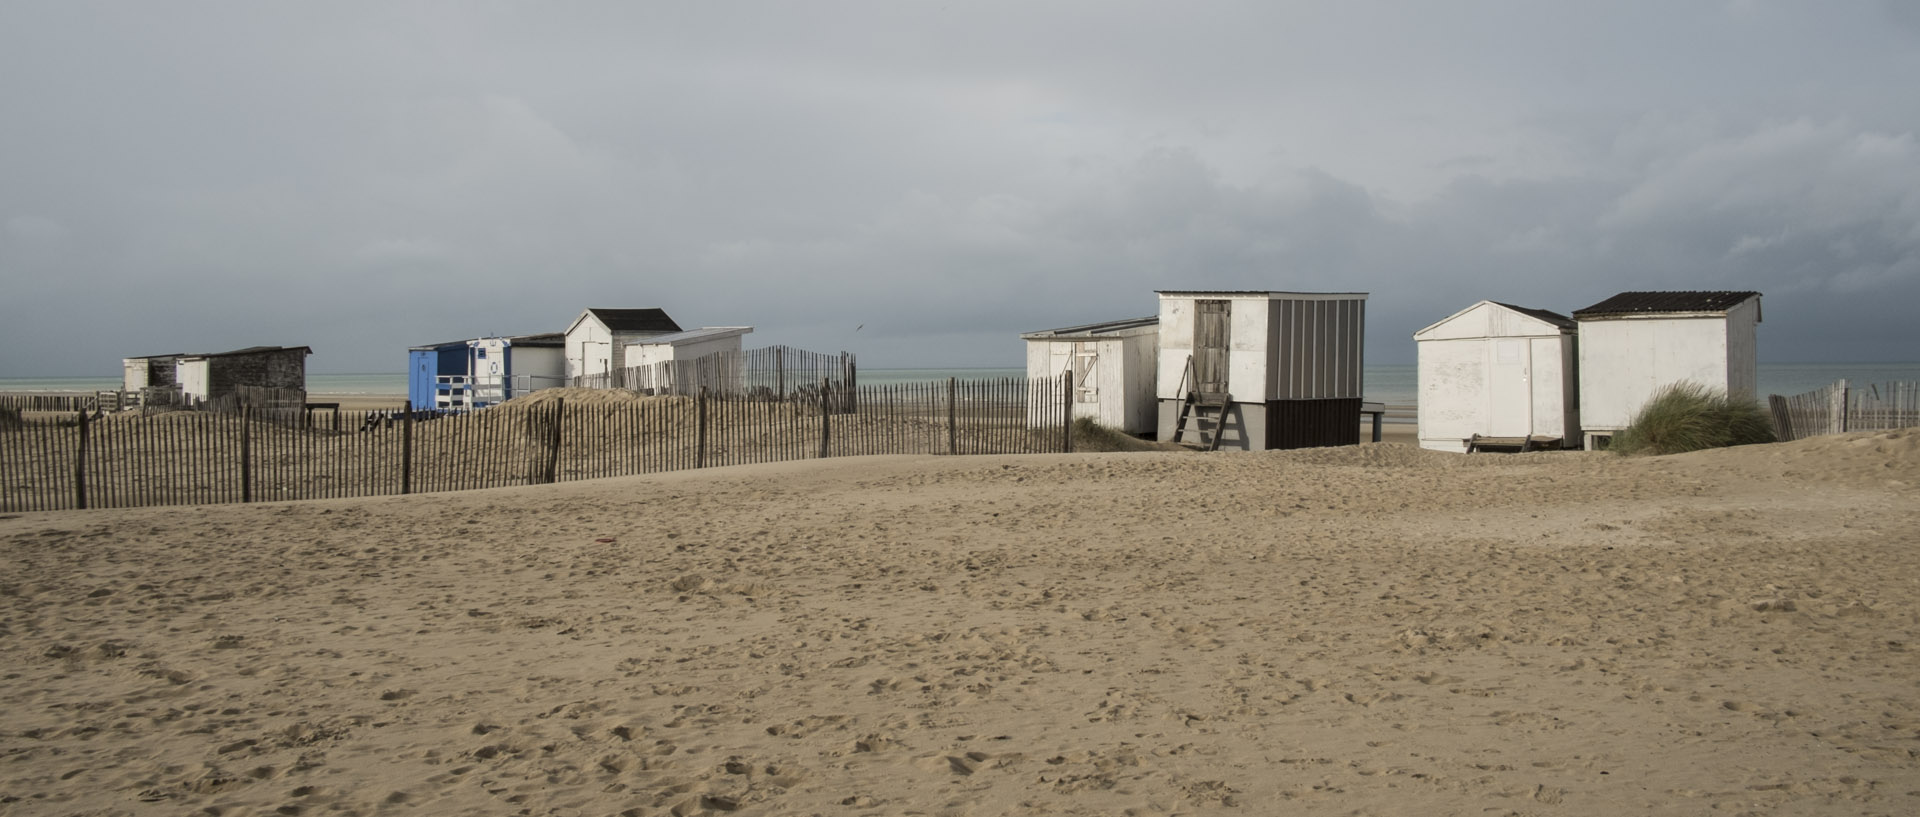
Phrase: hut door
[1086,380]
[1509,389]
[1210,322]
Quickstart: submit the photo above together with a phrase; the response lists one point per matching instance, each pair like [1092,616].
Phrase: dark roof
[1254,292]
[703,333]
[1650,303]
[257,350]
[425,347]
[636,320]
[1101,328]
[543,339]
[1549,316]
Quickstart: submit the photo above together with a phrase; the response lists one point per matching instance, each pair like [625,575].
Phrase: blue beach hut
[469,374]
[427,364]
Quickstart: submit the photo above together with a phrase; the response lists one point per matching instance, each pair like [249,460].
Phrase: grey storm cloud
[361,177]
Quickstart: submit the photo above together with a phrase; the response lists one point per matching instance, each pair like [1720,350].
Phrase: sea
[1394,385]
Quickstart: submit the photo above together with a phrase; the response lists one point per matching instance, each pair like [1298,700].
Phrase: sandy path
[1373,630]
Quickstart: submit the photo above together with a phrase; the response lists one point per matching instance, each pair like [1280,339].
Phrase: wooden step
[1203,413]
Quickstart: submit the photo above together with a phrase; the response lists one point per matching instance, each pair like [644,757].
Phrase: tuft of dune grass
[1090,436]
[1687,416]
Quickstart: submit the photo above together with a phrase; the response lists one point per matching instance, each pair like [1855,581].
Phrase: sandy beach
[1366,630]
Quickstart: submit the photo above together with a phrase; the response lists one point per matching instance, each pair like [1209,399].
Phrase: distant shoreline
[1393,384]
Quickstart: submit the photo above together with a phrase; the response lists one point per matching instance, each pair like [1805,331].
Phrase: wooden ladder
[1194,417]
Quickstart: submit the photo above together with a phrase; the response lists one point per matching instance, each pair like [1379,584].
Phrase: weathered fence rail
[52,402]
[1841,408]
[774,371]
[255,453]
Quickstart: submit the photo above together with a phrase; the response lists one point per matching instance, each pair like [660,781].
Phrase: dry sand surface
[1368,630]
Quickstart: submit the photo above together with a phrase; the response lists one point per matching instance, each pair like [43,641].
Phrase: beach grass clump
[1687,416]
[1090,436]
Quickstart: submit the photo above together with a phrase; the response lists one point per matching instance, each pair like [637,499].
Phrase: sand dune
[1369,630]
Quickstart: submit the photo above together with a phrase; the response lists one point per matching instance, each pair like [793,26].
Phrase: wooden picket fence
[1840,408]
[773,371]
[255,454]
[90,401]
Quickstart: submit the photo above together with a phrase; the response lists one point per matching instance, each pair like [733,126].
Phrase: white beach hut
[682,362]
[508,366]
[1112,366]
[1635,343]
[597,341]
[1498,370]
[1261,370]
[149,372]
[688,345]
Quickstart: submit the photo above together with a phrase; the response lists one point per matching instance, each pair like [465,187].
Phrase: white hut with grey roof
[597,340]
[688,345]
[1635,343]
[1272,369]
[1499,371]
[1112,366]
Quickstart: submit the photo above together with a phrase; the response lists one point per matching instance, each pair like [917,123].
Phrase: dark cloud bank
[198,177]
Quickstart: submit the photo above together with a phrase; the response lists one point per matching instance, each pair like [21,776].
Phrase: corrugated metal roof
[702,333]
[636,320]
[1652,303]
[542,339]
[256,350]
[1103,328]
[426,346]
[1549,316]
[1258,293]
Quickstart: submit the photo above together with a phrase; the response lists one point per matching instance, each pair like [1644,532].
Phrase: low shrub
[1090,436]
[1687,416]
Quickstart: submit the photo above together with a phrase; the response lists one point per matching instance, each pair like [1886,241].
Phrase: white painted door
[1509,389]
[1086,374]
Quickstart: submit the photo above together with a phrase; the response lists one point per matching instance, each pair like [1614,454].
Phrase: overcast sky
[919,182]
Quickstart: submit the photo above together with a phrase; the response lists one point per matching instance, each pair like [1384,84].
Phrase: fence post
[700,429]
[826,415]
[848,371]
[1837,408]
[246,453]
[80,466]
[406,449]
[554,439]
[953,434]
[1846,405]
[1066,412]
